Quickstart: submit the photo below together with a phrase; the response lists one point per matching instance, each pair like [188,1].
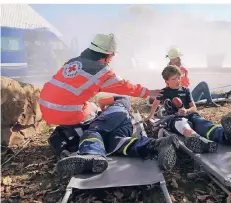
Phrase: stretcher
[216,165]
[122,172]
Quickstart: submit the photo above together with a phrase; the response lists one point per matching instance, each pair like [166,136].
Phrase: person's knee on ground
[91,157]
[193,140]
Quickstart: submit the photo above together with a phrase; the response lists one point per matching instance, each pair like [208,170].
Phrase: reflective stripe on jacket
[63,100]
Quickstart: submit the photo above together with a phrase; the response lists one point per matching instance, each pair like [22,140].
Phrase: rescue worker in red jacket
[64,99]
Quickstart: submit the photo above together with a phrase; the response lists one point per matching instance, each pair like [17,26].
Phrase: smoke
[154,33]
[145,35]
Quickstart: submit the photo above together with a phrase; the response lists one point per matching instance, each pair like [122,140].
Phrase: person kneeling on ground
[204,135]
[111,134]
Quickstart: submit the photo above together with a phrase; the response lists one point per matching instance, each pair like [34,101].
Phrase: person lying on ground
[204,135]
[111,134]
[64,99]
[201,91]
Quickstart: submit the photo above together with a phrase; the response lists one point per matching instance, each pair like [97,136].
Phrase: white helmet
[105,44]
[174,53]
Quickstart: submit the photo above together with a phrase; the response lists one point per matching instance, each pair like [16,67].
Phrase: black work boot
[198,144]
[226,124]
[164,149]
[77,164]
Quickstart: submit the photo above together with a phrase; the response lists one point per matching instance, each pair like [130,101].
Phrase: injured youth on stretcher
[200,135]
[216,165]
[203,135]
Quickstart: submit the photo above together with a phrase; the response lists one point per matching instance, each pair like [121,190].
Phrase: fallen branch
[17,185]
[31,165]
[40,164]
[54,191]
[24,145]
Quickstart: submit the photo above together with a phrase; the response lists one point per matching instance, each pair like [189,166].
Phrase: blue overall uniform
[111,133]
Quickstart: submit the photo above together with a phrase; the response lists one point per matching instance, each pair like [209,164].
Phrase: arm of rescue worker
[153,109]
[115,84]
[103,102]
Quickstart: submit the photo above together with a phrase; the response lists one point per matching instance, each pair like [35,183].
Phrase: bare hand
[182,112]
[155,93]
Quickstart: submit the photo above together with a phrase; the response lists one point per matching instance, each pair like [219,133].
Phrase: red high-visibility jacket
[184,77]
[64,99]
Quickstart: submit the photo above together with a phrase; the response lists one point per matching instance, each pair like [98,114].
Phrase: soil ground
[30,176]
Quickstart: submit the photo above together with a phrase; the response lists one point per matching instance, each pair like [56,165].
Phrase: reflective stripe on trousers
[118,146]
[210,130]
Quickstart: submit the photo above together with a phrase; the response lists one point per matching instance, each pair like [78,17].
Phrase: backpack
[66,138]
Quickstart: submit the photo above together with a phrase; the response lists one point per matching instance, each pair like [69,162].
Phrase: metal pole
[165,191]
[67,195]
[220,185]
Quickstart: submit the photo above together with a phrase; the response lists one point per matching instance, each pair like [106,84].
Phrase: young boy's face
[174,81]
